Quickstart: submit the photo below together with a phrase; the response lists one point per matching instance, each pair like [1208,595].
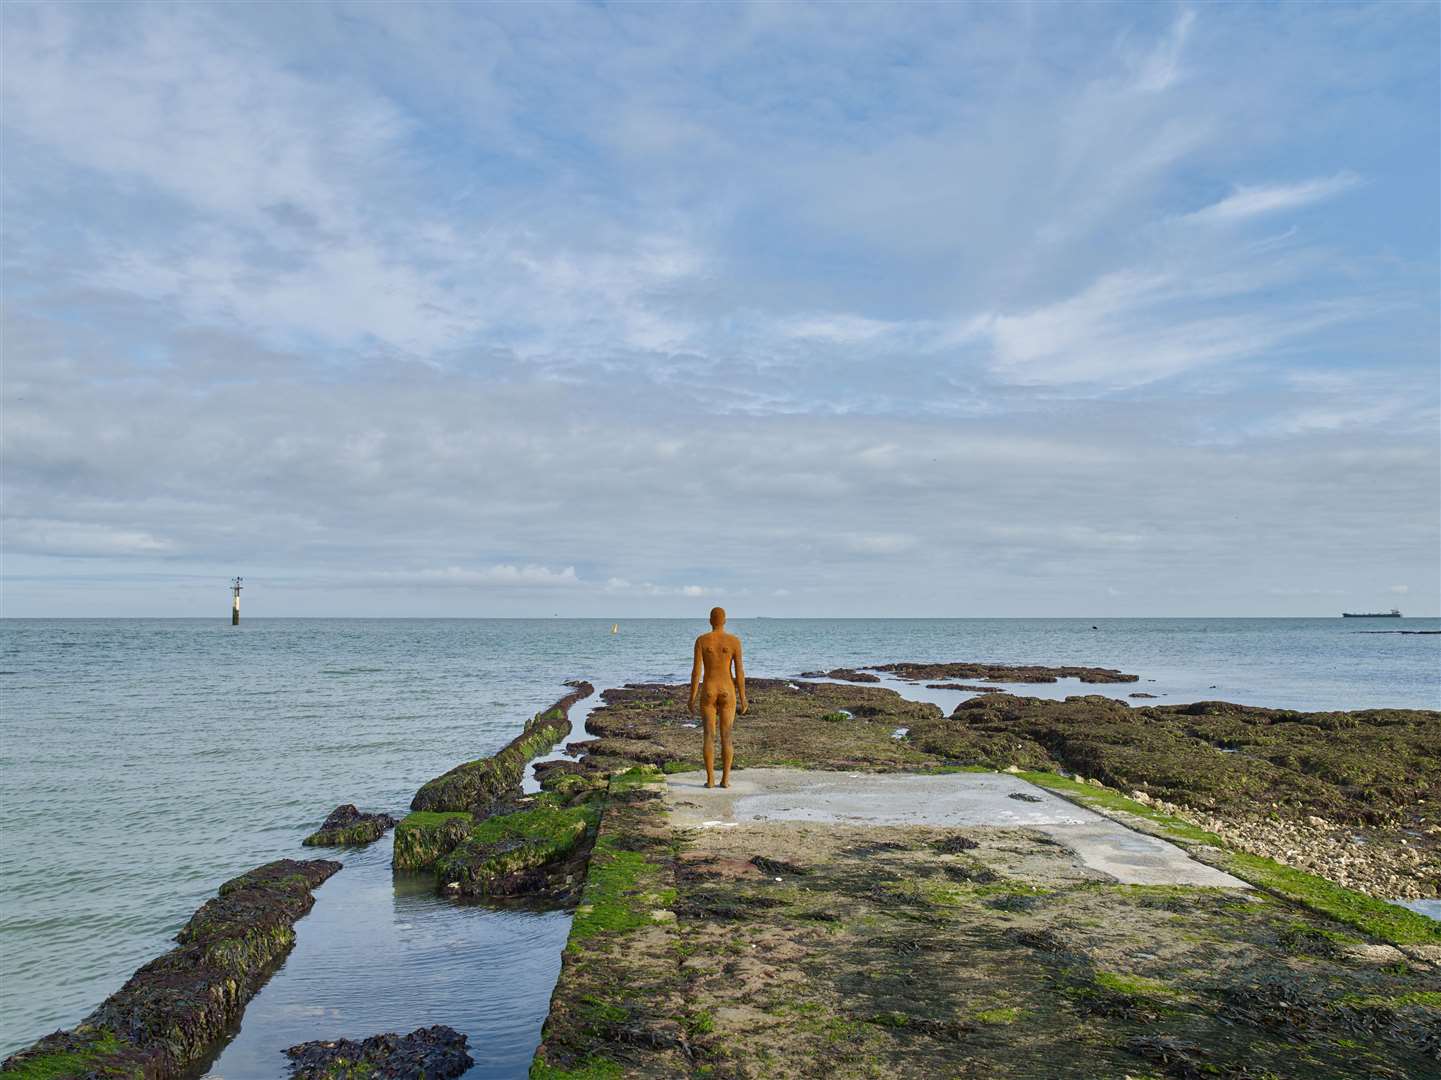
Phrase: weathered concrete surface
[949,799]
[789,948]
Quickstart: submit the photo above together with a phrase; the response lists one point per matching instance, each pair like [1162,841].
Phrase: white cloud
[1249,202]
[501,574]
[72,538]
[1399,590]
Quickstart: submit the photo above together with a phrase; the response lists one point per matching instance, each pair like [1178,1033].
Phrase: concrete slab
[951,799]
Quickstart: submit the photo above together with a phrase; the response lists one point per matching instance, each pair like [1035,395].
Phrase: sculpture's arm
[740,680]
[695,677]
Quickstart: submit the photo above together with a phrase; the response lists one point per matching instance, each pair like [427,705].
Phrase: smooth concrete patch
[949,799]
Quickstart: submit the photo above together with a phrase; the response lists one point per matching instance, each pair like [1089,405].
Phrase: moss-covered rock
[529,851]
[1024,673]
[346,827]
[174,1008]
[474,785]
[423,836]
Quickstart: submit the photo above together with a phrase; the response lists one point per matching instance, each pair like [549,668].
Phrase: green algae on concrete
[909,951]
[174,1009]
[1390,923]
[502,854]
[616,1010]
[473,784]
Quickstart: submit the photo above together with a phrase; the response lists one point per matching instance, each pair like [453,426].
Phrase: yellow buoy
[615,628]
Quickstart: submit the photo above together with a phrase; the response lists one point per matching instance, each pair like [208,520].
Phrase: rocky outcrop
[433,1053]
[472,786]
[173,1009]
[347,826]
[1023,673]
[536,850]
[841,673]
[969,687]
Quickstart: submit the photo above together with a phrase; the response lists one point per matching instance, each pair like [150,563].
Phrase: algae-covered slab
[530,851]
[474,784]
[423,836]
[171,1011]
[920,951]
[775,948]
[617,1009]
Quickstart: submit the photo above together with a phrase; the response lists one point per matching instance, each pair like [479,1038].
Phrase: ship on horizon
[1392,614]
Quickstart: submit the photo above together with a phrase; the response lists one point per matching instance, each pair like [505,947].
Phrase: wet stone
[433,1053]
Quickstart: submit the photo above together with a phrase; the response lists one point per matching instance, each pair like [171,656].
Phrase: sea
[143,762]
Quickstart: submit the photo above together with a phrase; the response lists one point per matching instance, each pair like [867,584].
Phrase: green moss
[700,1023]
[1134,985]
[1430,999]
[1090,795]
[1388,922]
[620,893]
[682,766]
[424,836]
[634,777]
[593,1068]
[835,718]
[944,769]
[507,844]
[87,1060]
[1007,1015]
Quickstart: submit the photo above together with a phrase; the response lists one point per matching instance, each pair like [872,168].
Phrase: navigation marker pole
[235,607]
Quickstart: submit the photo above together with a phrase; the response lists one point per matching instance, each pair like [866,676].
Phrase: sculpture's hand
[741,705]
[691,705]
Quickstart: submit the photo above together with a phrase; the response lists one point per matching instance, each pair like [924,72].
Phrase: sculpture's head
[717,617]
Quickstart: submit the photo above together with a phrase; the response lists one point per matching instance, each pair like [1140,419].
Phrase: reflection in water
[383,953]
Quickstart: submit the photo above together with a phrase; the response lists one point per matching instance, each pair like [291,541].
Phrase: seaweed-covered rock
[535,850]
[347,826]
[423,836]
[174,1008]
[475,784]
[433,1053]
[1025,673]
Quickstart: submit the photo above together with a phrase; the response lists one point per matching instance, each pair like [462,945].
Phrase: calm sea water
[143,762]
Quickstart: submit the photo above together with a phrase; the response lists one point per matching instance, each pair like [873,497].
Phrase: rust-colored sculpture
[720,694]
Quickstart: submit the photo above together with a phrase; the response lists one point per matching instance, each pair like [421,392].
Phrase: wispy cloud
[1249,202]
[854,308]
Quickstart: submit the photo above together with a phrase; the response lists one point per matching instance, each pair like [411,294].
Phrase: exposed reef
[171,1011]
[1022,673]
[433,1053]
[784,948]
[471,786]
[502,844]
[1303,787]
[648,723]
[347,826]
[966,686]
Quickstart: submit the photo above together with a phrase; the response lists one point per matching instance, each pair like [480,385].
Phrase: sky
[627,310]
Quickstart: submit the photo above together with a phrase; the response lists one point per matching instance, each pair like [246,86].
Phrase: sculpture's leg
[727,719]
[707,712]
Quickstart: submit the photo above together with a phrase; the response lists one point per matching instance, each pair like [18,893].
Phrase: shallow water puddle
[381,952]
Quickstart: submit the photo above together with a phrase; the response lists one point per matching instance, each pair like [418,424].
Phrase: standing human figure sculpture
[719,692]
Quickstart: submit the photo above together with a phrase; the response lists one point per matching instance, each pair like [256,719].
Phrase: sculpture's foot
[710,783]
[725,783]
